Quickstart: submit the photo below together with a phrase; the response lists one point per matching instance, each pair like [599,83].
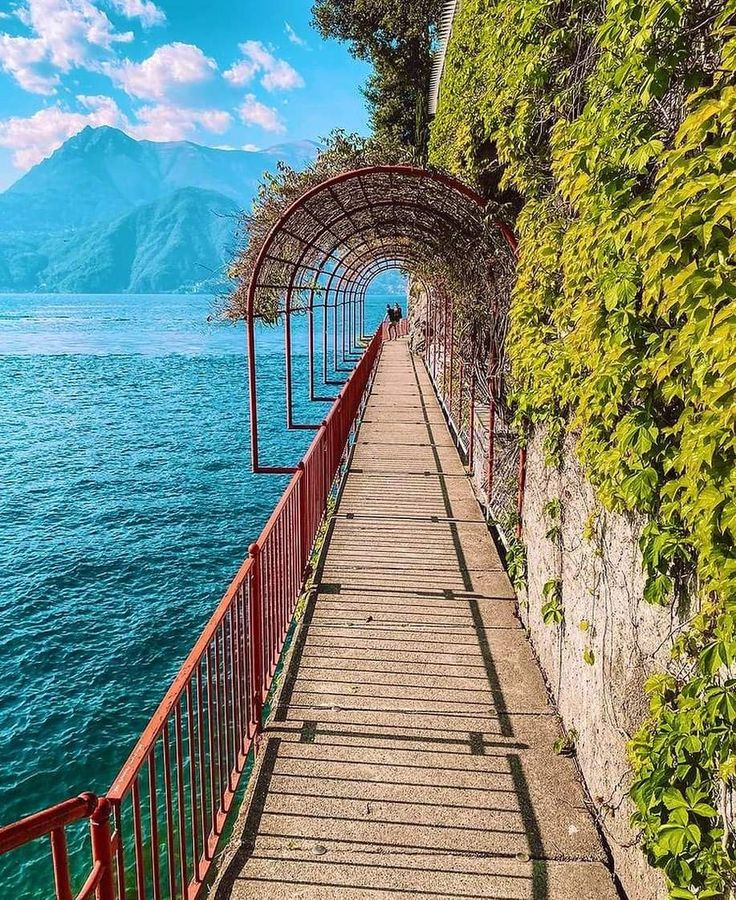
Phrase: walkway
[410,754]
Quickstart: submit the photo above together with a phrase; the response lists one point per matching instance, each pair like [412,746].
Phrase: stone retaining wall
[596,557]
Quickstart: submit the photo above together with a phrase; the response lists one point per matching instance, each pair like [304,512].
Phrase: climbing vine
[611,131]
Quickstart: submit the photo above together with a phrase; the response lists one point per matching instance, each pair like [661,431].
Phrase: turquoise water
[126,505]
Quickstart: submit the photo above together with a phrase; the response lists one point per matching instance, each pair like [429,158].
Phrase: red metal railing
[402,329]
[172,796]
[52,822]
[476,426]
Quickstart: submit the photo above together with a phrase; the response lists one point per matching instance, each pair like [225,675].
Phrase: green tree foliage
[615,126]
[396,37]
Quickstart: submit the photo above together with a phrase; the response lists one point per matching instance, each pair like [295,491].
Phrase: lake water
[126,505]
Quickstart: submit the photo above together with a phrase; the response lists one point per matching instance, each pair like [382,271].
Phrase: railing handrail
[131,767]
[52,822]
[47,820]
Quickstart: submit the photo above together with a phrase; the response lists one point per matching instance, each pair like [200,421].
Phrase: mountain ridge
[58,218]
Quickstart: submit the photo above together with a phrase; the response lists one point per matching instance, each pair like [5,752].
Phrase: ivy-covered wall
[608,131]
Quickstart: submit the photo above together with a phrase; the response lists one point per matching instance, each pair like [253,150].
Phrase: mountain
[180,242]
[104,206]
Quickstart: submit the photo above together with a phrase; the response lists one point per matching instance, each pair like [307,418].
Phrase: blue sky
[226,73]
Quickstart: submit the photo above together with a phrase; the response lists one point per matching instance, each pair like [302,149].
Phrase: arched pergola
[330,243]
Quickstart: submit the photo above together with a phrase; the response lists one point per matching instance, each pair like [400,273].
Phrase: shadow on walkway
[410,751]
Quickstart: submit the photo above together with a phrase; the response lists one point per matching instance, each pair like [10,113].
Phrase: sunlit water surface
[126,505]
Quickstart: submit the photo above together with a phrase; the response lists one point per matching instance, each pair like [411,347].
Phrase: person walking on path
[392,321]
[398,313]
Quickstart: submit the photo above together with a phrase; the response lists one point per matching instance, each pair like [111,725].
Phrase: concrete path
[410,753]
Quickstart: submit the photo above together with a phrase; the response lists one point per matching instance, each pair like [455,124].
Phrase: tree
[396,37]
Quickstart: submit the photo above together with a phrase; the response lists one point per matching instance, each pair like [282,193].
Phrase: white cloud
[251,148]
[241,73]
[19,57]
[282,78]
[293,36]
[145,10]
[276,74]
[64,34]
[69,30]
[169,66]
[163,122]
[253,112]
[36,137]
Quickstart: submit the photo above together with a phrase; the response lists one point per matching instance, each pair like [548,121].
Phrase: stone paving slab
[276,873]
[409,751]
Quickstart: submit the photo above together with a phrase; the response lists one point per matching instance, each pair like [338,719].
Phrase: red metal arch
[344,231]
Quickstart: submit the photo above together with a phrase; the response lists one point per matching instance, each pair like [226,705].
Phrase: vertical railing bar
[235,663]
[451,325]
[245,641]
[228,694]
[277,586]
[270,570]
[286,533]
[471,424]
[169,800]
[181,810]
[153,812]
[263,580]
[140,872]
[234,692]
[275,592]
[225,786]
[101,844]
[60,862]
[202,761]
[193,812]
[296,550]
[211,703]
[256,629]
[244,670]
[221,751]
[120,852]
[287,556]
[239,675]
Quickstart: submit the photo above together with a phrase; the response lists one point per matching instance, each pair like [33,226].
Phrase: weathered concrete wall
[596,557]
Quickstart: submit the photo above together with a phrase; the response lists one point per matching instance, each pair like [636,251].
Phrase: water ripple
[126,505]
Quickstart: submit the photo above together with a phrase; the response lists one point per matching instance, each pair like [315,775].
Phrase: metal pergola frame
[332,241]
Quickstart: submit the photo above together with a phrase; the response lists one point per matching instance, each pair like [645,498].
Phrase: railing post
[491,439]
[491,409]
[471,425]
[445,332]
[60,861]
[304,540]
[99,829]
[434,339]
[460,396]
[256,622]
[325,468]
[452,359]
